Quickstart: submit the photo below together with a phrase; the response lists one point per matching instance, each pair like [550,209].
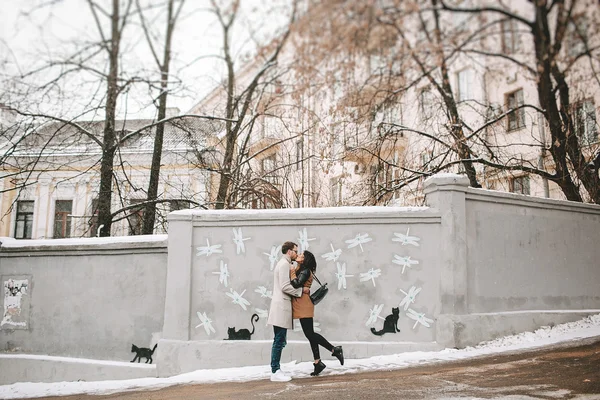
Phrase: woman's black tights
[314,338]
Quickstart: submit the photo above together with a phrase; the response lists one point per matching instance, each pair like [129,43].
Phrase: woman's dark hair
[309,261]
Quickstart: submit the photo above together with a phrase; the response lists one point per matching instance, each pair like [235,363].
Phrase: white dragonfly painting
[410,297]
[239,239]
[341,275]
[298,327]
[237,298]
[370,275]
[333,255]
[274,256]
[374,315]
[404,261]
[419,318]
[205,322]
[208,249]
[303,240]
[223,273]
[406,239]
[264,292]
[359,240]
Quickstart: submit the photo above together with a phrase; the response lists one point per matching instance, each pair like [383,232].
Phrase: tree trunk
[109,142]
[150,211]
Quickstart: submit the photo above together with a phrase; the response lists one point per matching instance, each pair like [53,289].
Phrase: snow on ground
[572,331]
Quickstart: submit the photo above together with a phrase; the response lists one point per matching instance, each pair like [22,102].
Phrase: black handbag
[320,293]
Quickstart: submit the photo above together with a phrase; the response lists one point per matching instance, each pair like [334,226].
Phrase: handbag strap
[315,276]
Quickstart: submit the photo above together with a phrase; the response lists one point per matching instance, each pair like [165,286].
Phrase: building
[339,125]
[50,185]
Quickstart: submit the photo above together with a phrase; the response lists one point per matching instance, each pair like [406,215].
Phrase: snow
[572,331]
[333,211]
[94,241]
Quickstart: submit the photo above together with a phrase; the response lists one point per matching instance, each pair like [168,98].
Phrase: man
[280,313]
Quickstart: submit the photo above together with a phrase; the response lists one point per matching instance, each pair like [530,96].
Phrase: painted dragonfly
[237,298]
[303,240]
[205,322]
[370,275]
[264,292]
[359,240]
[341,275]
[223,273]
[239,239]
[410,297]
[374,315]
[273,256]
[405,262]
[208,249]
[333,255]
[419,318]
[406,239]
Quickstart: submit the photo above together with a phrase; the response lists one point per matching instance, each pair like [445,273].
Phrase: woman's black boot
[339,353]
[318,368]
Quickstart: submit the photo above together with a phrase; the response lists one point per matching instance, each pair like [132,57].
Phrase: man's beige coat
[280,313]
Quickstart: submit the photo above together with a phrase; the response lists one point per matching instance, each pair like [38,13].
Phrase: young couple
[291,300]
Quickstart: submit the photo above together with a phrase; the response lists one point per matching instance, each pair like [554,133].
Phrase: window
[510,43]
[62,218]
[465,85]
[299,154]
[516,119]
[520,184]
[136,218]
[24,224]
[299,199]
[584,121]
[268,166]
[175,205]
[426,158]
[577,37]
[426,103]
[93,221]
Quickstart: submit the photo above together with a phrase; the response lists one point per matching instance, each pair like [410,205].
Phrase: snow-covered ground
[573,331]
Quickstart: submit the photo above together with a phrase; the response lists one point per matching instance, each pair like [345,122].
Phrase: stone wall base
[461,331]
[176,357]
[32,368]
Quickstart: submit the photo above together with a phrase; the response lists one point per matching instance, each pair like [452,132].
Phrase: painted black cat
[143,352]
[242,334]
[390,325]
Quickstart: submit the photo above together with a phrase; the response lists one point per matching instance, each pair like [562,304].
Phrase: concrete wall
[88,298]
[489,264]
[195,285]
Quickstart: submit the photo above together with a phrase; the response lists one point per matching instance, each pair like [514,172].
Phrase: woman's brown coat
[302,307]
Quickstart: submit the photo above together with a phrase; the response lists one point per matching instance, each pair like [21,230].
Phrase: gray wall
[490,264]
[531,254]
[85,299]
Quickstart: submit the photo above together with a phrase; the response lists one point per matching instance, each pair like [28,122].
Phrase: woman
[304,310]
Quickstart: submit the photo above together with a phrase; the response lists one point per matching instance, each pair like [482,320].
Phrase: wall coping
[73,245]
[311,215]
[493,196]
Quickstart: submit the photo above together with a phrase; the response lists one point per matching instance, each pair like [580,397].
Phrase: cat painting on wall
[242,334]
[390,325]
[143,352]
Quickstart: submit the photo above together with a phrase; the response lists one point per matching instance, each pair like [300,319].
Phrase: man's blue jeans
[279,342]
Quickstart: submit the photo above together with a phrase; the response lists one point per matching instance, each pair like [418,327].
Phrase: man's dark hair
[288,246]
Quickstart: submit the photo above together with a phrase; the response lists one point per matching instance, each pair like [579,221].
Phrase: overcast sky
[32,30]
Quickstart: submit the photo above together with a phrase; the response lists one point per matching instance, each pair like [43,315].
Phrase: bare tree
[239,103]
[173,12]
